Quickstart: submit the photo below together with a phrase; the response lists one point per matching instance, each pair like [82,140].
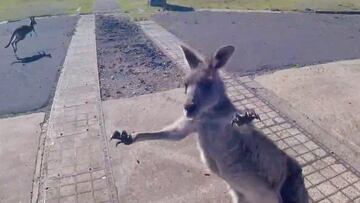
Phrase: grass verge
[288,5]
[139,9]
[18,9]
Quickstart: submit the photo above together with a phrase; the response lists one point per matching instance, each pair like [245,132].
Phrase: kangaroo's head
[203,85]
[32,21]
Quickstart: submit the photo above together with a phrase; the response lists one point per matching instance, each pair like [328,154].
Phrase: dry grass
[17,9]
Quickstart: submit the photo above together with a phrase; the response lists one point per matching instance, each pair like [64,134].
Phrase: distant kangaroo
[255,169]
[20,34]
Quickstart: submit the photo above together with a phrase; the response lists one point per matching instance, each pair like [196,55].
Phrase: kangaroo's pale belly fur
[242,156]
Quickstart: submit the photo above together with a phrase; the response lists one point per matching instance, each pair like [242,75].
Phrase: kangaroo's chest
[239,147]
[214,139]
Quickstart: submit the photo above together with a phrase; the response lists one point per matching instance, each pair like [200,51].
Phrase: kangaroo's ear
[191,57]
[221,56]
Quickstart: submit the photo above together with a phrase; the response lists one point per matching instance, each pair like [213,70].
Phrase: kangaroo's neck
[224,106]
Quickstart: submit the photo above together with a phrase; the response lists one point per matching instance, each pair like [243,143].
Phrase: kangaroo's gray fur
[20,34]
[251,164]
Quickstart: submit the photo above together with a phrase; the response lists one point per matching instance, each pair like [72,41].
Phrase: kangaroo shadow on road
[31,59]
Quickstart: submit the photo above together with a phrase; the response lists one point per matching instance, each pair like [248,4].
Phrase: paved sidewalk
[19,140]
[75,166]
[325,95]
[158,171]
[328,177]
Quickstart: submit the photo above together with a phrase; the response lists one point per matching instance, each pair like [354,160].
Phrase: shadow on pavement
[33,58]
[172,7]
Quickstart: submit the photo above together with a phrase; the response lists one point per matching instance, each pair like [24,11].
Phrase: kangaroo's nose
[190,107]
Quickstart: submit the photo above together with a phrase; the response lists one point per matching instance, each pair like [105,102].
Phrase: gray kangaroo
[20,34]
[255,169]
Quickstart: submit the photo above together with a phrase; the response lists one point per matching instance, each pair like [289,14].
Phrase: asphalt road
[268,41]
[29,84]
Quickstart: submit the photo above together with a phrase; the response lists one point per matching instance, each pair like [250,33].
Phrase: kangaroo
[20,34]
[254,168]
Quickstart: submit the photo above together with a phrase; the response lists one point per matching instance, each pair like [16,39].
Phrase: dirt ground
[129,64]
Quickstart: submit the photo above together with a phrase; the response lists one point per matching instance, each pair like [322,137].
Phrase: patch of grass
[18,9]
[336,5]
[139,9]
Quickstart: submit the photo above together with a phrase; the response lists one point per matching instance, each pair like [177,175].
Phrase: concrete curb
[39,161]
[338,12]
[243,11]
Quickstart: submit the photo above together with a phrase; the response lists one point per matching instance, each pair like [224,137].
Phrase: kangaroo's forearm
[162,135]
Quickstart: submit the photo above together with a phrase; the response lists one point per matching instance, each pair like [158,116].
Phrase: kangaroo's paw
[245,117]
[251,114]
[123,137]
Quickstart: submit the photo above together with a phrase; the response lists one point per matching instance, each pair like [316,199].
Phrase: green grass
[288,5]
[17,9]
[139,10]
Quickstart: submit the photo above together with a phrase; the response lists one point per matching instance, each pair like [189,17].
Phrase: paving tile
[325,201]
[301,149]
[98,174]
[328,172]
[319,152]
[291,141]
[69,199]
[281,144]
[357,185]
[327,188]
[302,138]
[291,152]
[67,180]
[85,197]
[83,187]
[311,145]
[83,177]
[308,169]
[283,134]
[67,190]
[319,164]
[101,195]
[308,157]
[339,182]
[350,177]
[339,197]
[315,178]
[339,168]
[315,194]
[100,184]
[351,192]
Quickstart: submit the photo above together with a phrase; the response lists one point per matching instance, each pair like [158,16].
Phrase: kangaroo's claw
[246,117]
[252,114]
[123,137]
